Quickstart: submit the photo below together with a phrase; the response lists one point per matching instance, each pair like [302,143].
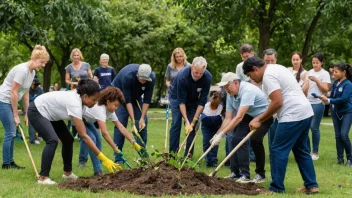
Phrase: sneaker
[72,176]
[211,165]
[243,180]
[81,165]
[36,142]
[348,163]
[315,156]
[12,165]
[99,173]
[308,191]
[340,161]
[258,179]
[40,138]
[233,176]
[47,181]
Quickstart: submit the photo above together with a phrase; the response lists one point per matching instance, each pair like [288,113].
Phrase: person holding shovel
[14,88]
[188,94]
[249,102]
[110,99]
[294,114]
[47,114]
[136,83]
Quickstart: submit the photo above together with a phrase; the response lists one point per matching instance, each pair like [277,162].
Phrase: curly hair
[111,94]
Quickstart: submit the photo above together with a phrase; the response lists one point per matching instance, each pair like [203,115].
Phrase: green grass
[22,183]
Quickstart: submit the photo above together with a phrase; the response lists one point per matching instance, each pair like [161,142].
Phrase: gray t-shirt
[171,73]
[20,74]
[76,75]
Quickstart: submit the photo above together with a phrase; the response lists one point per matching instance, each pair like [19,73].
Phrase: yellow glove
[136,146]
[188,128]
[108,163]
[194,122]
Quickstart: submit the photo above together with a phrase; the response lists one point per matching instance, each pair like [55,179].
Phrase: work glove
[142,151]
[217,139]
[119,153]
[108,163]
[133,124]
[188,128]
[194,122]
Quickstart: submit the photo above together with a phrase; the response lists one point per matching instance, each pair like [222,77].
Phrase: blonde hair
[79,52]
[199,62]
[39,52]
[173,59]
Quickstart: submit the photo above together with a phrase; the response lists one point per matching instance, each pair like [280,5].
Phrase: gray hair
[104,56]
[199,62]
[270,51]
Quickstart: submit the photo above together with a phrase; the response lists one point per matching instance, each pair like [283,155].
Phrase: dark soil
[162,180]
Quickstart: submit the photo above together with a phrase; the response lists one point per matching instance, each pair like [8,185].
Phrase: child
[211,122]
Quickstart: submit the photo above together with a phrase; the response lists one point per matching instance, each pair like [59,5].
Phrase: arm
[14,101]
[144,110]
[227,120]
[81,129]
[305,86]
[323,86]
[25,102]
[90,74]
[184,113]
[68,79]
[130,111]
[105,133]
[167,82]
[124,131]
[346,94]
[198,112]
[236,120]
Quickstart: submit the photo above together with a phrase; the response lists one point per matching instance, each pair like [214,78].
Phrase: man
[137,84]
[34,92]
[104,74]
[294,114]
[188,95]
[246,51]
[249,102]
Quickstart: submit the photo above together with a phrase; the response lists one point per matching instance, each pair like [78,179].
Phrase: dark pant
[122,115]
[51,131]
[291,136]
[176,124]
[342,125]
[209,129]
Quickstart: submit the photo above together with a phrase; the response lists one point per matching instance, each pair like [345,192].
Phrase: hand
[108,163]
[119,152]
[188,128]
[255,123]
[141,124]
[26,119]
[194,122]
[141,151]
[136,146]
[132,124]
[217,139]
[313,78]
[324,98]
[17,120]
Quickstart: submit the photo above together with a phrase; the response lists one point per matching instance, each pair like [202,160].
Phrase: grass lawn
[22,183]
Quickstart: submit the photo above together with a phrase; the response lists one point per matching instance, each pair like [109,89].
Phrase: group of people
[261,96]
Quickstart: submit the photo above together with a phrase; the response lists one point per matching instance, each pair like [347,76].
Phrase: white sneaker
[36,142]
[47,181]
[258,179]
[315,156]
[72,176]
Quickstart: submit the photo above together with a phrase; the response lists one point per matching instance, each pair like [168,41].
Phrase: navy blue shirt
[341,97]
[105,76]
[132,89]
[190,92]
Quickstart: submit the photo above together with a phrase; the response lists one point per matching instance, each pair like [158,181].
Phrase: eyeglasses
[227,85]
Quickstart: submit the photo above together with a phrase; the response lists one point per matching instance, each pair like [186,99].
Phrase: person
[294,119]
[211,121]
[47,114]
[14,88]
[332,80]
[319,84]
[188,94]
[249,102]
[246,51]
[341,110]
[299,72]
[134,81]
[110,99]
[104,74]
[34,92]
[178,62]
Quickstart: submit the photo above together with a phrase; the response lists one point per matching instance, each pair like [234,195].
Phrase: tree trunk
[47,75]
[310,31]
[264,37]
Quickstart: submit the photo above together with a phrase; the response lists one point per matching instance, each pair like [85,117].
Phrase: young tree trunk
[47,75]
[264,38]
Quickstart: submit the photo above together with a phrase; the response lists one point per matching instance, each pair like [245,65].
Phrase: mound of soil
[162,180]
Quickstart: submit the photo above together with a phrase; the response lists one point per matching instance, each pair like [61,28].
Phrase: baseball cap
[226,78]
[144,72]
[36,80]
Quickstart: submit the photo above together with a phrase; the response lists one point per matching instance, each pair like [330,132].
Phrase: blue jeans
[291,136]
[94,134]
[342,125]
[271,132]
[176,124]
[122,115]
[209,129]
[6,117]
[318,110]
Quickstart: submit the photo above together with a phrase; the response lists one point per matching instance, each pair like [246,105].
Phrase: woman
[299,72]
[178,61]
[14,88]
[341,110]
[319,84]
[110,99]
[47,114]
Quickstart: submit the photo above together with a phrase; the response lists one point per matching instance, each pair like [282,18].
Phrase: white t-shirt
[301,80]
[209,112]
[98,112]
[20,74]
[60,105]
[324,77]
[295,105]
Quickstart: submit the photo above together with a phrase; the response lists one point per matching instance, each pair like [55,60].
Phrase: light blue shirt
[248,95]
